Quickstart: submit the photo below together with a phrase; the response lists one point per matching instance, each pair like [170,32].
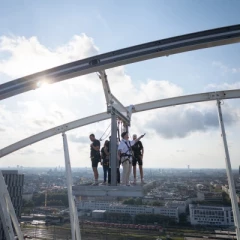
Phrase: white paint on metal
[75,229]
[165,47]
[7,213]
[201,97]
[231,184]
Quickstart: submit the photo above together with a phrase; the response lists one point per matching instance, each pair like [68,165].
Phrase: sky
[37,35]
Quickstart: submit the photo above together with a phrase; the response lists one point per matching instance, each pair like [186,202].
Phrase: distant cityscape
[172,197]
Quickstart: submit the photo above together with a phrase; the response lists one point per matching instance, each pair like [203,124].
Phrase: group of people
[129,154]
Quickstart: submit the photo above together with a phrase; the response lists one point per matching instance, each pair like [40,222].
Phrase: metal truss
[99,63]
[7,213]
[160,48]
[201,97]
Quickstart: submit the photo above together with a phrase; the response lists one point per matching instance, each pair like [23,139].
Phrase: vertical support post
[113,149]
[75,229]
[232,190]
[5,216]
[14,217]
[7,212]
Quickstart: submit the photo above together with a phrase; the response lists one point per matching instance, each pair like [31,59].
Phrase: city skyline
[194,139]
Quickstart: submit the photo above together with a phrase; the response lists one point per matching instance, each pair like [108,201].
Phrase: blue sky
[114,26]
[118,24]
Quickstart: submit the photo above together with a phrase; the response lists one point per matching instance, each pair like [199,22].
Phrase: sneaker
[134,181]
[95,184]
[142,181]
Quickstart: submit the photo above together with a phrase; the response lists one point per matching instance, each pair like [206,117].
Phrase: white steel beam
[53,131]
[7,212]
[120,115]
[164,47]
[232,189]
[119,106]
[75,229]
[201,97]
[106,87]
[4,214]
[111,100]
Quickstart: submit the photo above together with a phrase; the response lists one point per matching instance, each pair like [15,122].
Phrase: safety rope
[106,136]
[105,132]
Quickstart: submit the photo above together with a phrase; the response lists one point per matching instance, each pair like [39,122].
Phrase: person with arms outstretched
[138,152]
[125,154]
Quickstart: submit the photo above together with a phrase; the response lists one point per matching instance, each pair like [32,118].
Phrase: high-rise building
[14,182]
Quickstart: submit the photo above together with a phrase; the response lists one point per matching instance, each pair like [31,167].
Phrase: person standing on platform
[125,154]
[95,156]
[138,152]
[105,160]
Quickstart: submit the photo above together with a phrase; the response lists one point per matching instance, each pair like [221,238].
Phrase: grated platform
[104,190]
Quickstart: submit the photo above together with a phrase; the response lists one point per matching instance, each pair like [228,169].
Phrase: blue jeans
[105,172]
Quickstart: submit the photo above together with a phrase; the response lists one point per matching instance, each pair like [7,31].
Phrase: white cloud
[225,69]
[181,121]
[180,150]
[153,90]
[222,86]
[59,103]
[29,55]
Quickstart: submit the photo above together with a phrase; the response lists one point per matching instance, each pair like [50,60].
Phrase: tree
[156,203]
[226,199]
[58,198]
[183,219]
[132,201]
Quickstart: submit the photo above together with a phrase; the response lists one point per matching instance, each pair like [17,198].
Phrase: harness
[128,156]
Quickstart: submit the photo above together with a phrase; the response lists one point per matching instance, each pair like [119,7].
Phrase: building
[171,212]
[225,188]
[98,214]
[209,196]
[210,215]
[181,205]
[14,182]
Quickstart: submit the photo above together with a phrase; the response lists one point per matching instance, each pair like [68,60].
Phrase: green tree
[132,201]
[58,198]
[156,203]
[226,199]
[183,219]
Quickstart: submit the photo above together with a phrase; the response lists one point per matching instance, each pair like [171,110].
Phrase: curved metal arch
[201,97]
[164,47]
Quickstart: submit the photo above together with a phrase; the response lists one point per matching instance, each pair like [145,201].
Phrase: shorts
[95,162]
[137,160]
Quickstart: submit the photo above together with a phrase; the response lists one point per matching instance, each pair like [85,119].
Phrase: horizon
[146,168]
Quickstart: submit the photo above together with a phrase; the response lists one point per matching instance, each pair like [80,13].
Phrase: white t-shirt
[124,148]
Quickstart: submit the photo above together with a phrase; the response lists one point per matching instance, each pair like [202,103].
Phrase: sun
[42,84]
